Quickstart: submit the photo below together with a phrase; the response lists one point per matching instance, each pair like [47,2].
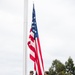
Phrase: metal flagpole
[25,37]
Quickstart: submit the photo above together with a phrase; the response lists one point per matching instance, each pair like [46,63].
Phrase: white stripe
[32,53]
[32,43]
[32,33]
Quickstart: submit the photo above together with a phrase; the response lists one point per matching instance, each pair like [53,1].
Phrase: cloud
[14,7]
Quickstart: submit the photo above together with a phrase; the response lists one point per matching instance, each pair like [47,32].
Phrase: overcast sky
[56,28]
[11,37]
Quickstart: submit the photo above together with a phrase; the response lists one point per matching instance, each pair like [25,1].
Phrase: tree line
[58,68]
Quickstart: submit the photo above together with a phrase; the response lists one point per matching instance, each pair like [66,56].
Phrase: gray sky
[11,37]
[56,27]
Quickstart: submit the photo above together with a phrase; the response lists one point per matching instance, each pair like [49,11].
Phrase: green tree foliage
[58,68]
[70,66]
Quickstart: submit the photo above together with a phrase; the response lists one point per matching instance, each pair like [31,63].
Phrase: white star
[34,31]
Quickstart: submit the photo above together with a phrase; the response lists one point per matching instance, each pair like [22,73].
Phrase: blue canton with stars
[34,25]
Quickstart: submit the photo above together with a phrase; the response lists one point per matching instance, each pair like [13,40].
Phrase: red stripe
[40,53]
[31,38]
[32,58]
[31,47]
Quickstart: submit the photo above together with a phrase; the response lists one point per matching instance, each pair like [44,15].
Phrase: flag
[34,45]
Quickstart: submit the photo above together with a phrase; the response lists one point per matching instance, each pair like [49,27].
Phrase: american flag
[34,45]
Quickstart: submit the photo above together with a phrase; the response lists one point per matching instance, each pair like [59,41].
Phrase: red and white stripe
[36,54]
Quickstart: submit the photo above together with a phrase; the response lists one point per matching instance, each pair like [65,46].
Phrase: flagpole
[25,37]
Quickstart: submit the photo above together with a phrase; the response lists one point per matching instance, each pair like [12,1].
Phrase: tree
[70,69]
[57,68]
